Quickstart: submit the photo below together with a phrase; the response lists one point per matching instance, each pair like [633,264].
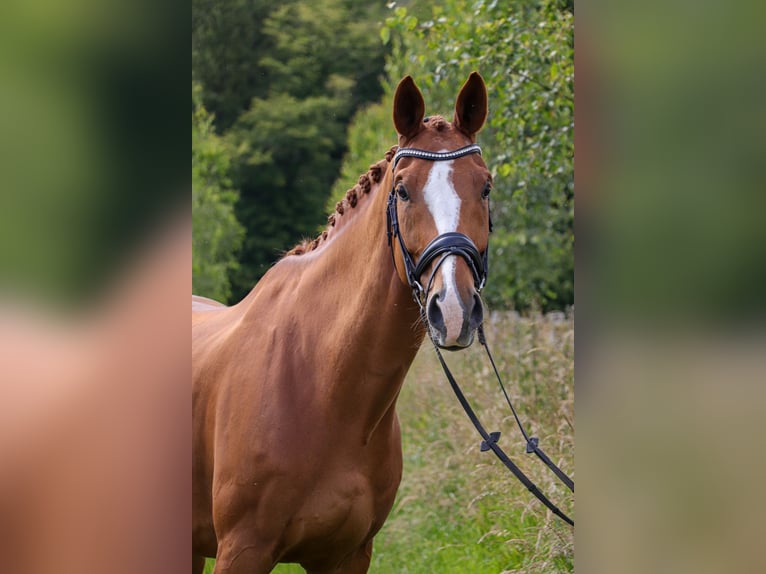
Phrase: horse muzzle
[453,320]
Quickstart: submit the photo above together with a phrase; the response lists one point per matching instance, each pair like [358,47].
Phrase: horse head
[439,209]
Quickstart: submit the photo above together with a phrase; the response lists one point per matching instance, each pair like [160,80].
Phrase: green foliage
[525,51]
[324,48]
[289,150]
[226,44]
[370,134]
[283,81]
[216,233]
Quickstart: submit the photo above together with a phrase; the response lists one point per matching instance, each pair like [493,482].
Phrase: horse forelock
[437,122]
[345,206]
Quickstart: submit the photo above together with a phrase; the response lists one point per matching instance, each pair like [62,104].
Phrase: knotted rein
[441,247]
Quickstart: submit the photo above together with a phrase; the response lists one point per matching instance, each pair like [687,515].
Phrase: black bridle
[441,247]
[444,245]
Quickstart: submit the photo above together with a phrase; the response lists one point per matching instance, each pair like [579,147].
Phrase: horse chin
[458,345]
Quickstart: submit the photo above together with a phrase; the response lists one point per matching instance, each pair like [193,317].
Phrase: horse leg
[243,555]
[198,564]
[356,563]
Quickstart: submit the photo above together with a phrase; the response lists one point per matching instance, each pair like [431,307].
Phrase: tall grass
[459,510]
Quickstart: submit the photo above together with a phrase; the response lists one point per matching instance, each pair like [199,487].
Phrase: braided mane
[363,186]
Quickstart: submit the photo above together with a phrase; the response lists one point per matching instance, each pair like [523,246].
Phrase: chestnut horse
[297,452]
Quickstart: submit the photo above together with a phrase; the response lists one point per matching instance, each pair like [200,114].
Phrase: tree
[227,44]
[284,80]
[217,235]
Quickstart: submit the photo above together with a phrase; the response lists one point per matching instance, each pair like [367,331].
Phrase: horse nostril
[477,313]
[434,313]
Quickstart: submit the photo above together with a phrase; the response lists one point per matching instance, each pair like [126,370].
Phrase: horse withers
[297,452]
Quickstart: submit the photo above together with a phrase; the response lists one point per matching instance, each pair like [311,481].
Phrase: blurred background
[95,244]
[670,364]
[89,160]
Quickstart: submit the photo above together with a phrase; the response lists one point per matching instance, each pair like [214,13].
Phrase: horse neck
[378,312]
[370,330]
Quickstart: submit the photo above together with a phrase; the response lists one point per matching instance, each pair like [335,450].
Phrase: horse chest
[341,511]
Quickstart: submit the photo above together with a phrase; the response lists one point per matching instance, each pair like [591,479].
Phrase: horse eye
[486,190]
[402,193]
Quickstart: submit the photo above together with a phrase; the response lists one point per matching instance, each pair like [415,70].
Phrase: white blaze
[441,198]
[443,203]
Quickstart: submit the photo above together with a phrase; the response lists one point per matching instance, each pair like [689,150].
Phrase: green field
[459,510]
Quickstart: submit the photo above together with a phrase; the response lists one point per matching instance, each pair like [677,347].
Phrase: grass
[459,510]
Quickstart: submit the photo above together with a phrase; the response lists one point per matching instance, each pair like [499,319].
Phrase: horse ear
[471,105]
[409,108]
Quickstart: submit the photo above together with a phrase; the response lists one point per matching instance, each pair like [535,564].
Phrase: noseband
[442,246]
